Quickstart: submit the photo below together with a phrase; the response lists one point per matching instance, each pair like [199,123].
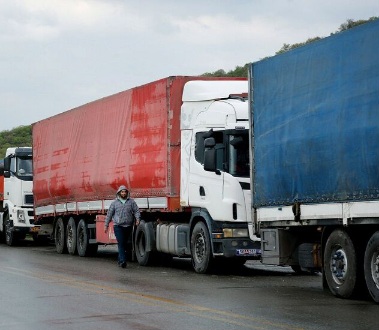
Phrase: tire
[340,264]
[143,254]
[84,248]
[60,236]
[201,252]
[10,236]
[82,238]
[371,266]
[2,233]
[71,236]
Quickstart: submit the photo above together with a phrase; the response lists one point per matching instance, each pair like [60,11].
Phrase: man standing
[123,211]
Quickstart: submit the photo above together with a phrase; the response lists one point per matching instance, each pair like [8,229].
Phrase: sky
[56,55]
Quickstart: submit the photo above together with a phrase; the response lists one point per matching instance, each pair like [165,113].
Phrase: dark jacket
[122,214]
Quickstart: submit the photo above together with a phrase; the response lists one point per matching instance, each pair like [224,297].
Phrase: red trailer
[83,155]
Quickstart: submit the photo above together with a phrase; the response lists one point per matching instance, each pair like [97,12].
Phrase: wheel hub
[70,237]
[339,265]
[200,247]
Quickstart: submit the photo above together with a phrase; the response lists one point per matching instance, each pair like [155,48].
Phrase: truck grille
[29,199]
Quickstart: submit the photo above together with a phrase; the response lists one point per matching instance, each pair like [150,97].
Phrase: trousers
[122,236]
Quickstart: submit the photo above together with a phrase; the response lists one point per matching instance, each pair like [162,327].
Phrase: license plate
[248,252]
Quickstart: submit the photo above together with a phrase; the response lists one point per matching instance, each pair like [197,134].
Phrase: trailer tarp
[315,121]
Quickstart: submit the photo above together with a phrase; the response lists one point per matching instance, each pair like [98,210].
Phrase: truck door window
[199,147]
[13,166]
[239,155]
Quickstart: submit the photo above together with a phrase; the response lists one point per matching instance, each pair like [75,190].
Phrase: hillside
[18,137]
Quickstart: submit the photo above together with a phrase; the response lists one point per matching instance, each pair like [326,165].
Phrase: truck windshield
[239,155]
[22,167]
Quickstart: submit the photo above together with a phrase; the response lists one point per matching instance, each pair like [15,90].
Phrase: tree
[18,137]
[239,71]
[287,47]
[350,23]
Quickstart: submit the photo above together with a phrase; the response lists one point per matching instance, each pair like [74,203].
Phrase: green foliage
[18,137]
[239,71]
[350,23]
[287,47]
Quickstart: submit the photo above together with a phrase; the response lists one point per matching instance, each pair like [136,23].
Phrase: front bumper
[237,247]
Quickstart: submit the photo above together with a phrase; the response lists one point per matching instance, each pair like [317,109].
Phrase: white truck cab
[215,172]
[16,213]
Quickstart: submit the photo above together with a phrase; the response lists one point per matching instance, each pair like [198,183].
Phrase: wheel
[59,236]
[82,238]
[71,236]
[340,264]
[2,234]
[10,236]
[201,252]
[371,266]
[85,249]
[143,254]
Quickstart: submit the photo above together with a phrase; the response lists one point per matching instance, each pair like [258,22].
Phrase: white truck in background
[16,195]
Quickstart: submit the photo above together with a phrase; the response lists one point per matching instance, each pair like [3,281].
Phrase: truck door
[206,187]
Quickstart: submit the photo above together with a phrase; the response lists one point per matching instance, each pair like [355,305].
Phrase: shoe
[123,265]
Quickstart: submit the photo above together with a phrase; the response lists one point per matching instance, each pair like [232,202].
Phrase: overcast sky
[58,54]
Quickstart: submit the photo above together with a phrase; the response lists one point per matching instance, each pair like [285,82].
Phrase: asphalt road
[41,289]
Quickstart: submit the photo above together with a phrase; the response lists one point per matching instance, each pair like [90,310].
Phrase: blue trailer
[314,119]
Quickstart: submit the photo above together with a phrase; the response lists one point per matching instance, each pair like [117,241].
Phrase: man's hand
[137,222]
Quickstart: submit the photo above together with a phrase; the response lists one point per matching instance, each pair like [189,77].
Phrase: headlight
[238,232]
[228,232]
[21,216]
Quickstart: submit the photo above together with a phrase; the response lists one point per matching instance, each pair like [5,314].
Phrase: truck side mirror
[7,167]
[210,155]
